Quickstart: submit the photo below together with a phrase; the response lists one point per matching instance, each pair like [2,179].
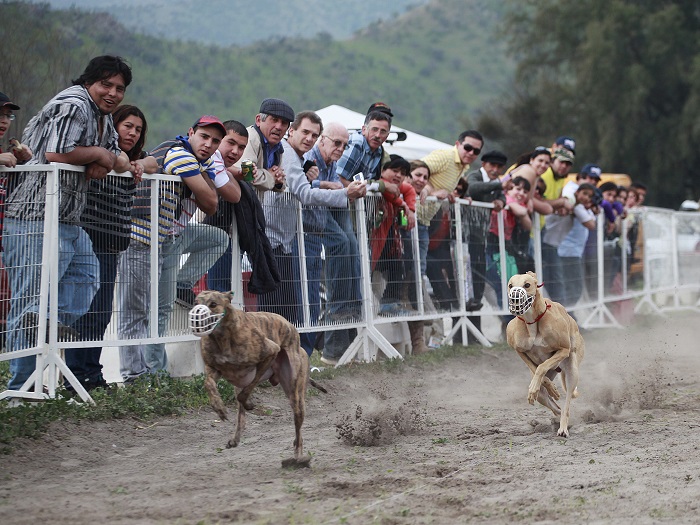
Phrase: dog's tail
[317,386]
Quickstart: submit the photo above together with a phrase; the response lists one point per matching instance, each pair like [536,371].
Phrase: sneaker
[330,361]
[185,297]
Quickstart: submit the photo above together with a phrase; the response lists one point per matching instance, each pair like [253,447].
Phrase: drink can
[247,170]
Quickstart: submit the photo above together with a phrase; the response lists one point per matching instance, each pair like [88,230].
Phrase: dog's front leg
[214,397]
[270,351]
[542,369]
[546,382]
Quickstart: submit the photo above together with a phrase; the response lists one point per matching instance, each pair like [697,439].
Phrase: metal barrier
[380,286]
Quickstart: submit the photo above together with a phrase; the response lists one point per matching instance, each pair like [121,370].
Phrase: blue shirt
[359,157]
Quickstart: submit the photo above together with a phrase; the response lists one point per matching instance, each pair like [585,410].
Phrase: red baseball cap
[210,120]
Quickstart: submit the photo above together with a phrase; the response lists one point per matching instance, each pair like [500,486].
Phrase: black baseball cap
[6,102]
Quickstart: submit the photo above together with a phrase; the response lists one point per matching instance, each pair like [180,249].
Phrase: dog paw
[563,432]
[232,444]
[532,397]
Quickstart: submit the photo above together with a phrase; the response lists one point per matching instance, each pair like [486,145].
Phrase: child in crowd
[569,234]
[395,213]
[516,212]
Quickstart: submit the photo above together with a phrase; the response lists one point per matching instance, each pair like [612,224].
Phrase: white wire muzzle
[203,321]
[519,301]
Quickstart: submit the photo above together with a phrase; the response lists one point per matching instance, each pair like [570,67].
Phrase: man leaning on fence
[75,127]
[189,158]
[343,295]
[281,213]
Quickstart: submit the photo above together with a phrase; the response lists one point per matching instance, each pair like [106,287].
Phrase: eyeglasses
[8,116]
[469,148]
[380,131]
[338,143]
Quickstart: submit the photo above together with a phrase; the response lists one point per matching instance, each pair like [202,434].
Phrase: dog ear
[229,296]
[532,274]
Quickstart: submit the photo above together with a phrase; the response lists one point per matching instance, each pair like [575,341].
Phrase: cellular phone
[308,165]
[359,177]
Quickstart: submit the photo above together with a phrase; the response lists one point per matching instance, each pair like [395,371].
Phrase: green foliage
[435,66]
[239,22]
[621,76]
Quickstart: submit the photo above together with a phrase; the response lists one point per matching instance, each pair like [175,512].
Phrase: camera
[597,197]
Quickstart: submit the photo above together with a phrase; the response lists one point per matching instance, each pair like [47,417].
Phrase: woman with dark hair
[107,220]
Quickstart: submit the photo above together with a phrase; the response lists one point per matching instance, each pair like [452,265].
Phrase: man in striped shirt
[189,158]
[75,127]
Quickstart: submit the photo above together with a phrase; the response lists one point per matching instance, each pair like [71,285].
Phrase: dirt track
[447,442]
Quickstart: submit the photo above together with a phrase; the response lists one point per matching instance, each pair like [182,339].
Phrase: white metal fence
[654,263]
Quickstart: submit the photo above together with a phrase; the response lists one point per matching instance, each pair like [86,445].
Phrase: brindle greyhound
[246,348]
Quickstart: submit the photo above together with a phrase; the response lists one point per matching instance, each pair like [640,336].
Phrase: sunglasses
[469,148]
[338,143]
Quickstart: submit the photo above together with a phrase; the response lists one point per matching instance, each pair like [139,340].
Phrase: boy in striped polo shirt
[189,158]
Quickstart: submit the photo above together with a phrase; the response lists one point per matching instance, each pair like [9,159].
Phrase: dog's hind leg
[571,382]
[269,353]
[240,426]
[545,399]
[214,397]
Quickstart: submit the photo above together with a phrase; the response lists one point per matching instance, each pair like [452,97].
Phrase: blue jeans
[219,276]
[205,244]
[423,242]
[78,274]
[343,274]
[134,300]
[314,267]
[85,362]
[552,270]
[572,286]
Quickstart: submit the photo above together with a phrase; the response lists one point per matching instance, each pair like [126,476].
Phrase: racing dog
[245,349]
[547,338]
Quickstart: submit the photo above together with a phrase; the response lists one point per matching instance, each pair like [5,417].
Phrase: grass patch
[149,397]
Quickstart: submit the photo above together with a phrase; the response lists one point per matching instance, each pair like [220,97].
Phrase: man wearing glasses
[301,175]
[18,153]
[322,228]
[363,155]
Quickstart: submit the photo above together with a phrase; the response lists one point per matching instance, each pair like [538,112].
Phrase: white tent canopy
[414,147]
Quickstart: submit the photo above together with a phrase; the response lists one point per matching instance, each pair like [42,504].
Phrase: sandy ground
[433,442]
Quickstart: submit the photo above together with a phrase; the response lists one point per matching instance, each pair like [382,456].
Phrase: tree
[621,76]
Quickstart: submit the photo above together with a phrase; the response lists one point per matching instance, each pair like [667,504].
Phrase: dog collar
[538,317]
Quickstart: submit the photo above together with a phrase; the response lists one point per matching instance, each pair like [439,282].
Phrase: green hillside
[438,66]
[242,22]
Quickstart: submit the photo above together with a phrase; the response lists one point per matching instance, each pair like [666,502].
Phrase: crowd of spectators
[259,175]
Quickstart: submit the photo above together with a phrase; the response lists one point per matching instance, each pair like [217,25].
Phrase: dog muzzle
[203,321]
[519,301]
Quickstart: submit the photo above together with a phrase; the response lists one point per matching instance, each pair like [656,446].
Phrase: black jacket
[252,239]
